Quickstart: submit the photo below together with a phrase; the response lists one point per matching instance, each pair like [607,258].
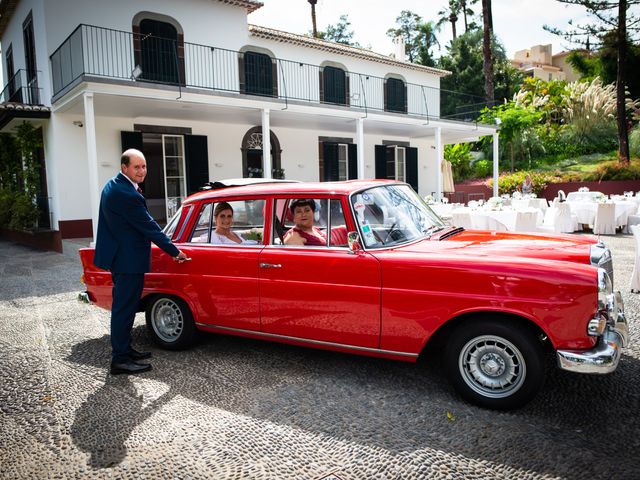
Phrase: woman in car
[304,233]
[223,217]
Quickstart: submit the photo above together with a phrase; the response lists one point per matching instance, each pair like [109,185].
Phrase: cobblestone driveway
[238,408]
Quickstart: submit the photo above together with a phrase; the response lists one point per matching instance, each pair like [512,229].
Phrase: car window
[243,225]
[310,222]
[170,228]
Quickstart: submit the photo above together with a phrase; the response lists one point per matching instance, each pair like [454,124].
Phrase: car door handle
[270,265]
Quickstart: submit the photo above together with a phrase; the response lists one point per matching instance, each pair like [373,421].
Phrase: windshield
[392,215]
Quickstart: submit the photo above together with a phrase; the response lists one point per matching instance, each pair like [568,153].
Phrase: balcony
[21,98]
[92,53]
[22,88]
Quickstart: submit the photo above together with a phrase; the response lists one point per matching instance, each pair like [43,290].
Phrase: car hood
[575,248]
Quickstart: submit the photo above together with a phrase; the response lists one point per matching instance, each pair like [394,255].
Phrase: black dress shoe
[136,355]
[129,367]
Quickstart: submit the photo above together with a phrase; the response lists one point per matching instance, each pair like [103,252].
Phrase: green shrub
[460,157]
[511,182]
[25,214]
[7,198]
[618,171]
[482,168]
[634,141]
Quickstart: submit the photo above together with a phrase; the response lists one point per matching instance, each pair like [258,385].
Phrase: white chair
[497,225]
[526,222]
[559,219]
[635,276]
[461,219]
[605,222]
[632,220]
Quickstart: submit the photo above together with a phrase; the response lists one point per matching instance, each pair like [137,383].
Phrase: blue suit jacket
[126,230]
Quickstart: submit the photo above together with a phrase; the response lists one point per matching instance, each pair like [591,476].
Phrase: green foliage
[340,32]
[419,37]
[482,168]
[24,213]
[634,141]
[19,177]
[616,170]
[7,197]
[512,182]
[464,59]
[460,157]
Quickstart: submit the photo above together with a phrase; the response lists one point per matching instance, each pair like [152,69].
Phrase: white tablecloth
[583,196]
[524,220]
[586,211]
[521,203]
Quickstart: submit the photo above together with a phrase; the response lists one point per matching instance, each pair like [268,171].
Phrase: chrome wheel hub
[167,320]
[492,366]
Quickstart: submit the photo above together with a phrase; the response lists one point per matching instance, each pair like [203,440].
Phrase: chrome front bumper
[84,297]
[604,357]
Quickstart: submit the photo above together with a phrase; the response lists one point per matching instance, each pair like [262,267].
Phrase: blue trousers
[127,288]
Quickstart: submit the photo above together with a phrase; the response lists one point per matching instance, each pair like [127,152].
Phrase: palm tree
[449,14]
[428,36]
[487,63]
[313,17]
[465,8]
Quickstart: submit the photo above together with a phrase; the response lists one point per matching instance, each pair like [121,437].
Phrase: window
[12,82]
[159,51]
[239,222]
[396,95]
[334,86]
[258,74]
[307,225]
[343,162]
[30,61]
[175,182]
[396,165]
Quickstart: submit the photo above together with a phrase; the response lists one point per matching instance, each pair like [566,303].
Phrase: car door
[222,279]
[321,293]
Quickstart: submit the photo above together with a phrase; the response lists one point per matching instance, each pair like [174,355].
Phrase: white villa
[206,96]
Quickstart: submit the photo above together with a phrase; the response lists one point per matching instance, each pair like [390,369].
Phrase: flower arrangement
[495,203]
[517,195]
[429,199]
[583,189]
[600,198]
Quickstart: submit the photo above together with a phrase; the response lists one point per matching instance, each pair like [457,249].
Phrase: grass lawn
[582,164]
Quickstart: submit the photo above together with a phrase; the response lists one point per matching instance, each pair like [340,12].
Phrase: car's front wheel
[495,364]
[170,322]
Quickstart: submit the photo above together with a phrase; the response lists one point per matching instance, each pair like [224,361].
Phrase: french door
[175,182]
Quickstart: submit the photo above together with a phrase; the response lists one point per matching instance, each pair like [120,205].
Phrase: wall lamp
[78,123]
[136,72]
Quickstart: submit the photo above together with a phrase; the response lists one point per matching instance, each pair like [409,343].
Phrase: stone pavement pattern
[233,408]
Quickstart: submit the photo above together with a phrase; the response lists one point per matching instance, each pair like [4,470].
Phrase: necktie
[139,190]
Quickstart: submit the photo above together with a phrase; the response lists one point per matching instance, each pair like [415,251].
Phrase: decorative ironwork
[255,141]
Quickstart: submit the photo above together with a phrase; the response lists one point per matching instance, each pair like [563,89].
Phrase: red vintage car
[388,279]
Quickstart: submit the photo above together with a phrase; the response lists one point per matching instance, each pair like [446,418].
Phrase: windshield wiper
[433,229]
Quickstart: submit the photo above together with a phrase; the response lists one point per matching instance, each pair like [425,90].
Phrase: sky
[517,23]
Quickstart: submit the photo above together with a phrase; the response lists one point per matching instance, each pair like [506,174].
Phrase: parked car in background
[391,280]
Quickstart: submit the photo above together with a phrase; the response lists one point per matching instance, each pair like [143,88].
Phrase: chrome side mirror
[353,240]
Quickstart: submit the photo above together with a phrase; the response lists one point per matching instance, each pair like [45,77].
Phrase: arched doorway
[252,165]
[158,43]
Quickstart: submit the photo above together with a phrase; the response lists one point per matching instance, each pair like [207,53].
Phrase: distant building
[539,62]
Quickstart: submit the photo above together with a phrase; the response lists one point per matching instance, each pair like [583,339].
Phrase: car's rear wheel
[495,364]
[170,322]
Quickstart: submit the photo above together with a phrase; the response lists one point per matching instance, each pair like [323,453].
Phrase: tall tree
[467,11]
[449,14]
[313,17]
[426,41]
[339,32]
[408,28]
[487,63]
[611,16]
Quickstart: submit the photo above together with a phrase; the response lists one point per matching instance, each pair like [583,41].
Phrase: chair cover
[605,222]
[461,219]
[635,276]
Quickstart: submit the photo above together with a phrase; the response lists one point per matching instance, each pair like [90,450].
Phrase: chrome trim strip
[305,340]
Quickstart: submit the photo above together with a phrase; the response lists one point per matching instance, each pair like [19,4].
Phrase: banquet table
[584,196]
[586,211]
[520,203]
[524,220]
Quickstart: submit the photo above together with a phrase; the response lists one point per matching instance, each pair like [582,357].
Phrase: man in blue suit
[123,246]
